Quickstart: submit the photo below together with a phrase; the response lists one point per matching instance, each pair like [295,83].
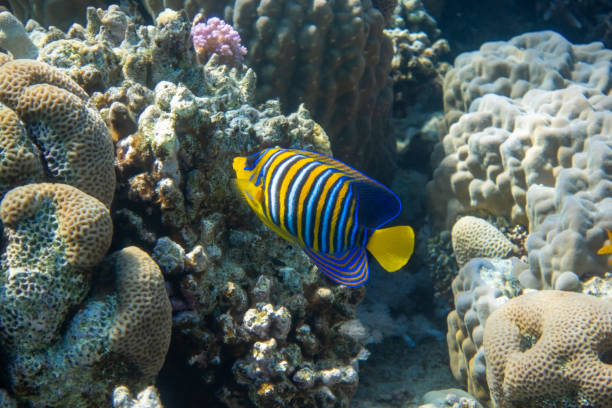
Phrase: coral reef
[481,286]
[450,398]
[550,348]
[529,142]
[417,69]
[55,232]
[61,348]
[386,7]
[215,36]
[474,237]
[13,37]
[253,320]
[147,398]
[141,328]
[221,8]
[539,60]
[334,58]
[52,120]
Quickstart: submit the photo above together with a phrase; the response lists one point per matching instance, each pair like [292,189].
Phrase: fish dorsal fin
[377,204]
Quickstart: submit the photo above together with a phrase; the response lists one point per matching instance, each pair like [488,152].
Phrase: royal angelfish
[333,212]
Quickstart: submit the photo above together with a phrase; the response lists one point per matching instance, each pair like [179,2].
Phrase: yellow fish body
[333,212]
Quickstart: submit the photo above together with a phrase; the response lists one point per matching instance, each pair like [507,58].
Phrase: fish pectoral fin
[253,195]
[349,269]
[392,247]
[239,165]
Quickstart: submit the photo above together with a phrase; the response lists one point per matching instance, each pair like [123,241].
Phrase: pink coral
[218,37]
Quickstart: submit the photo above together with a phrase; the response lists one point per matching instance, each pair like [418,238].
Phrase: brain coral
[143,323]
[550,348]
[19,161]
[54,233]
[71,137]
[474,237]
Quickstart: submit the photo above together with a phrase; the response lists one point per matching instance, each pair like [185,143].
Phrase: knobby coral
[215,36]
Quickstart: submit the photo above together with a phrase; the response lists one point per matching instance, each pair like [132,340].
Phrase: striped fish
[333,212]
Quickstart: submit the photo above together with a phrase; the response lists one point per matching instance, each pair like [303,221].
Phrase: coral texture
[147,398]
[19,161]
[216,36]
[386,7]
[13,37]
[550,347]
[143,322]
[474,237]
[334,58]
[536,155]
[417,69]
[54,233]
[71,137]
[481,286]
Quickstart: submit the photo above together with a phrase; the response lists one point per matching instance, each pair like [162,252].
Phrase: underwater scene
[305,203]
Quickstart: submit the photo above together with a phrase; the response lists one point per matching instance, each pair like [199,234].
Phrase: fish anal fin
[392,247]
[349,269]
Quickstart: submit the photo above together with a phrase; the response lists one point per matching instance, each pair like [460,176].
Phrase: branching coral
[215,36]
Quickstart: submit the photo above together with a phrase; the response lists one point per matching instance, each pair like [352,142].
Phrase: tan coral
[474,237]
[4,58]
[550,346]
[72,137]
[84,225]
[143,325]
[19,160]
[17,75]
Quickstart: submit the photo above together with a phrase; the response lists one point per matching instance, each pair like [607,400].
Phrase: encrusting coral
[480,287]
[550,348]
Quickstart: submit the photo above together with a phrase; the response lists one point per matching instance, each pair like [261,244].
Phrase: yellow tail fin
[392,247]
